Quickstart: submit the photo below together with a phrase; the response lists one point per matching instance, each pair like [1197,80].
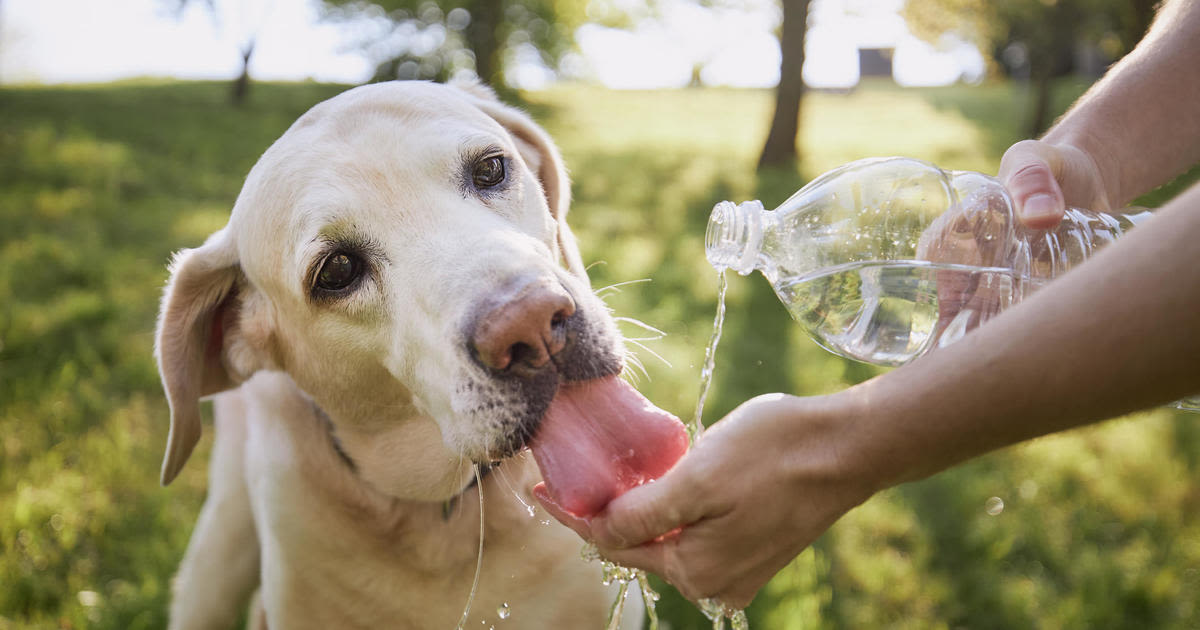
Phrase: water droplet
[532,512]
[545,521]
[503,611]
[994,506]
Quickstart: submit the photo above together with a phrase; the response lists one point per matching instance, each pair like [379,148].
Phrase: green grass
[1101,527]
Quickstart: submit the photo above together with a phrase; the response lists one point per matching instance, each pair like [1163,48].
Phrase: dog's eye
[338,271]
[488,172]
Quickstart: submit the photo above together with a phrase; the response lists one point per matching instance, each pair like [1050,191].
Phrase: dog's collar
[333,438]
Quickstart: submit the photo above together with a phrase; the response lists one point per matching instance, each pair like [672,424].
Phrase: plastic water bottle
[883,260]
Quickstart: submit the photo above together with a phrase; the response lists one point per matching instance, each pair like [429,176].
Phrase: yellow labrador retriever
[395,299]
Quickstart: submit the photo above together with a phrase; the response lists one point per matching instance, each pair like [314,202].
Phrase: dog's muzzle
[525,340]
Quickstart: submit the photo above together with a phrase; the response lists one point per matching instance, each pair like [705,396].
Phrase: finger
[579,525]
[649,511]
[1028,170]
[650,557]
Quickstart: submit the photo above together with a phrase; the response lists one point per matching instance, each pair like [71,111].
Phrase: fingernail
[1039,206]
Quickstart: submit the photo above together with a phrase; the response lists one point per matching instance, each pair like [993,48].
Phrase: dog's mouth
[592,434]
[601,437]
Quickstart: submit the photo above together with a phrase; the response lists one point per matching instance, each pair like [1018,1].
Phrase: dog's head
[402,253]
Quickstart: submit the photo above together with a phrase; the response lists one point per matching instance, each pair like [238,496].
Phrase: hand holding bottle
[1045,178]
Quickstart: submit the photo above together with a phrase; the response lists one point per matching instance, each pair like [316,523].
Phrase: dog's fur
[347,422]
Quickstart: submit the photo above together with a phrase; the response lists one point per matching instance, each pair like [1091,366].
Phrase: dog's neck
[447,506]
[400,452]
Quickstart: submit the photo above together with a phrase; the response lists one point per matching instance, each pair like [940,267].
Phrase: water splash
[623,576]
[718,612]
[696,427]
[650,597]
[478,559]
[618,607]
[613,573]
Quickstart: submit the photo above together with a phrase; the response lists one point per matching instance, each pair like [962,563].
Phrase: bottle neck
[734,236]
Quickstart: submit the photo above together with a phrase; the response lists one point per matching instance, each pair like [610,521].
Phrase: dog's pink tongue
[601,438]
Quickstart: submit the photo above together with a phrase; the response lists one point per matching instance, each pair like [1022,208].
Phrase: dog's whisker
[616,287]
[654,354]
[479,558]
[641,324]
[598,262]
[636,371]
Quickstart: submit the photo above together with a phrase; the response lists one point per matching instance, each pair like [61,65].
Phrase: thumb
[650,511]
[1028,170]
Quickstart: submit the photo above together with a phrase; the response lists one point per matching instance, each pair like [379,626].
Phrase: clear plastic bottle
[883,260]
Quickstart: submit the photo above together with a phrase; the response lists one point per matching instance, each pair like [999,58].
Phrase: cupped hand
[753,492]
[1045,178]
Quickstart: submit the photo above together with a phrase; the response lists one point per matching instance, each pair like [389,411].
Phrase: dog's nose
[525,330]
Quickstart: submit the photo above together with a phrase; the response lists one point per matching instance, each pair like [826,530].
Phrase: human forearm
[1119,333]
[1140,123]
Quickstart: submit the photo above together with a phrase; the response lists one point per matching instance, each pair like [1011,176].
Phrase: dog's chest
[333,555]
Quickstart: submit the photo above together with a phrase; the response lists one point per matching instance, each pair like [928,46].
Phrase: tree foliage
[780,146]
[1035,39]
[1113,25]
[433,40]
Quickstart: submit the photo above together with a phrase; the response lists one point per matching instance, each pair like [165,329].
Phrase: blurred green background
[1099,528]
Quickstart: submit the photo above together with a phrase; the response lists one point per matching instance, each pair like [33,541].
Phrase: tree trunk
[241,85]
[483,38]
[1039,110]
[780,147]
[1050,57]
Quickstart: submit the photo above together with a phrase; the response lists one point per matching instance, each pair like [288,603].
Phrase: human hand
[753,492]
[1045,178]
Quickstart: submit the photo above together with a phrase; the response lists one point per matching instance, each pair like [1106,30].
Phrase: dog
[392,307]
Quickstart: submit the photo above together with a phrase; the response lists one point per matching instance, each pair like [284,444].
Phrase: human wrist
[858,452]
[895,435]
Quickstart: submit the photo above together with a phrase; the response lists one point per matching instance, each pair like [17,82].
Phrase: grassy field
[1100,528]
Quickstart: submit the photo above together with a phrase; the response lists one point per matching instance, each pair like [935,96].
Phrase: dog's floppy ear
[540,153]
[199,311]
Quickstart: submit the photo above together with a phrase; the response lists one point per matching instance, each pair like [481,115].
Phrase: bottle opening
[731,237]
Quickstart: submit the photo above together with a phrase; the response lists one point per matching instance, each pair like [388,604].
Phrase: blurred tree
[780,147]
[240,88]
[427,39]
[1035,39]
